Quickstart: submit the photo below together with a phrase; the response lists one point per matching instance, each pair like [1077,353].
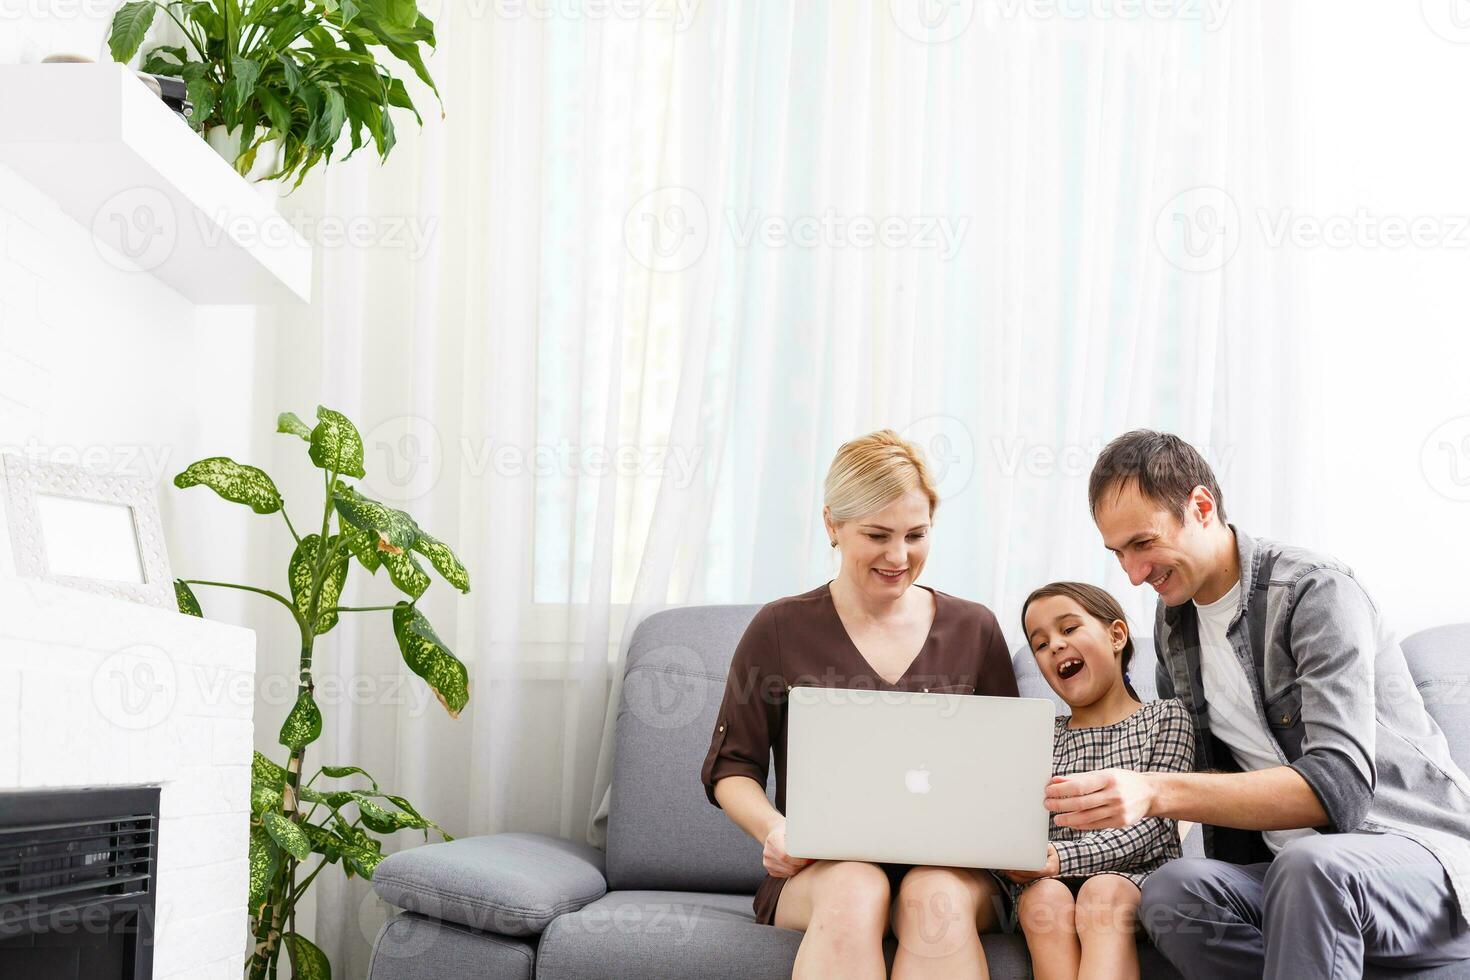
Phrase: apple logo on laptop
[917,780]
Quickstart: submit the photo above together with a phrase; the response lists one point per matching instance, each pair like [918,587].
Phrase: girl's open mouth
[1069,668]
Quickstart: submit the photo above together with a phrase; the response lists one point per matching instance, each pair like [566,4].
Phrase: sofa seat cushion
[512,884]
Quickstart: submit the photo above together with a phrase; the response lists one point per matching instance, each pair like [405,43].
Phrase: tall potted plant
[293,72]
[294,822]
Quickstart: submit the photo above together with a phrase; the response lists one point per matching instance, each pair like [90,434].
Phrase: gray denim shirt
[1332,687]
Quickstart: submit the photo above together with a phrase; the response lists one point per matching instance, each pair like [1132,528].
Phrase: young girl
[1079,914]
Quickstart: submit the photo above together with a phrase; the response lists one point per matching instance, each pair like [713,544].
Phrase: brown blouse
[800,641]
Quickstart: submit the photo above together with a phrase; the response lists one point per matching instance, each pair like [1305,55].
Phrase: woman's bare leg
[1107,921]
[1047,916]
[938,916]
[842,906]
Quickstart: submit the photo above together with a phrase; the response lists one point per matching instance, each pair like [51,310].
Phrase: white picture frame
[99,532]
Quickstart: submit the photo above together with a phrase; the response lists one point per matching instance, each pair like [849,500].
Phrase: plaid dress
[1158,737]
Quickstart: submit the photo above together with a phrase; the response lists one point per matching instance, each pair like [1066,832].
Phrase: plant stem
[291,527]
[245,588]
[359,608]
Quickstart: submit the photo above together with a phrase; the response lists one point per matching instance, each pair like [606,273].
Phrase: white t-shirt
[1230,705]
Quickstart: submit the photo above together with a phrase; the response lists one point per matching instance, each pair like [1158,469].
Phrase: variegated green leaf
[424,823]
[287,835]
[379,819]
[361,859]
[307,962]
[323,842]
[184,596]
[291,424]
[263,799]
[363,544]
[444,560]
[336,444]
[406,573]
[265,860]
[234,481]
[393,528]
[264,772]
[302,572]
[342,772]
[303,725]
[427,656]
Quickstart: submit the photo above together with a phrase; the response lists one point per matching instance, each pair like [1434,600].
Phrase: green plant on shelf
[294,71]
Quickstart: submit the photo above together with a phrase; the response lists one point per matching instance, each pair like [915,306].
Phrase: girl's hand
[1052,869]
[778,863]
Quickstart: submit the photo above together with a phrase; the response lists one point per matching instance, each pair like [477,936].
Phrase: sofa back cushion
[1439,660]
[662,832]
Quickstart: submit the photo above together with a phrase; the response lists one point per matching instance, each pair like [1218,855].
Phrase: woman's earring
[834,542]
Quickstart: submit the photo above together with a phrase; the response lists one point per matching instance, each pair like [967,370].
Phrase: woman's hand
[1052,869]
[778,863]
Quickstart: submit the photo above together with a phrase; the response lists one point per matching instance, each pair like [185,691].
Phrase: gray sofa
[671,897]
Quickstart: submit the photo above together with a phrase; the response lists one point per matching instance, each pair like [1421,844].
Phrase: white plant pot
[226,142]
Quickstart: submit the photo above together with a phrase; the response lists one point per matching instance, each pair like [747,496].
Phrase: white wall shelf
[153,194]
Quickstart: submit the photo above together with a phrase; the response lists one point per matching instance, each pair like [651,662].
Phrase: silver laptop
[941,779]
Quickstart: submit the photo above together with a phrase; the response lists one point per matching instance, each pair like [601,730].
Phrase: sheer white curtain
[652,271]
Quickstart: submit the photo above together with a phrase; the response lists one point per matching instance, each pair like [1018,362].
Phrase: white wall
[1380,86]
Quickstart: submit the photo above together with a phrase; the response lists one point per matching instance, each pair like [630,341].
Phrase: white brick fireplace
[96,691]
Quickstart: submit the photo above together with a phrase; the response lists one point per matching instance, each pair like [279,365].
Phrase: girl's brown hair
[1097,603]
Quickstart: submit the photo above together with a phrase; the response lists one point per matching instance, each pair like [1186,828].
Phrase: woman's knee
[936,908]
[852,890]
[1047,909]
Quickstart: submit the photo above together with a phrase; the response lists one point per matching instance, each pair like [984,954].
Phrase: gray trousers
[1324,907]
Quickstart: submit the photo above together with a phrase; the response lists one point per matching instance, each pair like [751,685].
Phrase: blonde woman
[872,628]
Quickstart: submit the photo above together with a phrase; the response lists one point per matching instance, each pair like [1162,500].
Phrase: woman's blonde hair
[871,471]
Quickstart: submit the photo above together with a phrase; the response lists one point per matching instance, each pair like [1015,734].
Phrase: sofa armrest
[513,884]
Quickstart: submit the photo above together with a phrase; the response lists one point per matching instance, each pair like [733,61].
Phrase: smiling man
[1336,823]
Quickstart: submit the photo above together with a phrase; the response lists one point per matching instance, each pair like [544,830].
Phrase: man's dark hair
[1165,467]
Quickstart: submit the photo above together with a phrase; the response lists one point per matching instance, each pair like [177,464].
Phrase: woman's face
[883,552]
[1078,654]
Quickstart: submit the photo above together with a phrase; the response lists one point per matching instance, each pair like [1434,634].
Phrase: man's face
[1154,547]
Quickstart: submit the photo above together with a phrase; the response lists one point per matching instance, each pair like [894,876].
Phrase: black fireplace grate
[77,863]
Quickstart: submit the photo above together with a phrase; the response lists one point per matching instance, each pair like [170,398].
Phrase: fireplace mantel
[96,691]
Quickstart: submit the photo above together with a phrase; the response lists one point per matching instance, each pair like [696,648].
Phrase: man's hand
[1052,869]
[1100,799]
